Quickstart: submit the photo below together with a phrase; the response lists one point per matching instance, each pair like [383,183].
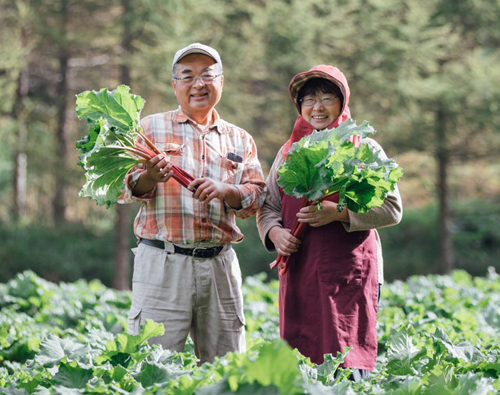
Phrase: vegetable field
[437,335]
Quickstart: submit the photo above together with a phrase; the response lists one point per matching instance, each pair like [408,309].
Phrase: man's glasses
[207,79]
[326,101]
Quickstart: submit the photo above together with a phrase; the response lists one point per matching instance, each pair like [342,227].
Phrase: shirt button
[203,220]
[203,157]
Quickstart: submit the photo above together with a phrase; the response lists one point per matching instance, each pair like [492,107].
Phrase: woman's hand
[283,240]
[315,218]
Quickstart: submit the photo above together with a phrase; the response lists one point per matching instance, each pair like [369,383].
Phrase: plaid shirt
[222,152]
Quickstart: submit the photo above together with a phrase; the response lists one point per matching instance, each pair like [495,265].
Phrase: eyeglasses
[207,79]
[326,101]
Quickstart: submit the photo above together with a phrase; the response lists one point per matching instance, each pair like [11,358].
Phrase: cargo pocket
[134,321]
[229,282]
[241,318]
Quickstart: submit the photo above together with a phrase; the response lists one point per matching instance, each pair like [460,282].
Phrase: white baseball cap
[197,48]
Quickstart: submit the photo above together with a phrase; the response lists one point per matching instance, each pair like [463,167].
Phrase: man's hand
[206,189]
[158,169]
[315,218]
[283,240]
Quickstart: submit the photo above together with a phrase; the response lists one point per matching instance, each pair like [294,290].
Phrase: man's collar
[181,117]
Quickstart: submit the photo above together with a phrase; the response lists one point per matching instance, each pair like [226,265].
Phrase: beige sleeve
[270,213]
[389,214]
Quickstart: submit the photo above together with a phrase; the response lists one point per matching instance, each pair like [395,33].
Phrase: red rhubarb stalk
[150,150]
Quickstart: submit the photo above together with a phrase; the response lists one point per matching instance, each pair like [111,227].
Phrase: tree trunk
[122,265]
[59,204]
[444,216]
[20,157]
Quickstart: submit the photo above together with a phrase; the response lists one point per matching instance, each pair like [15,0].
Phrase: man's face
[196,97]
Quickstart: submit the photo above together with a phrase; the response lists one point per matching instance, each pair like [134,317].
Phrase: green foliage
[412,247]
[253,257]
[437,335]
[327,162]
[62,253]
[108,149]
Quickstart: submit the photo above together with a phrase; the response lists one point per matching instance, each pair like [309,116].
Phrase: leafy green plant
[335,161]
[437,335]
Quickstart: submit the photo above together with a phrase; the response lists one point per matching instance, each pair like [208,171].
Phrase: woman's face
[320,109]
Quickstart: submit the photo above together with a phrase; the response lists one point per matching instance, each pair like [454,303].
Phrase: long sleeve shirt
[222,152]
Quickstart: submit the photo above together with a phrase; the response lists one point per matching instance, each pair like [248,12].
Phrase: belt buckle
[200,249]
[204,252]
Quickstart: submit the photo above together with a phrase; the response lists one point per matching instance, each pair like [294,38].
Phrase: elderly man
[186,275]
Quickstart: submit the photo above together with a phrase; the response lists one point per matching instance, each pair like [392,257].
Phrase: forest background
[424,73]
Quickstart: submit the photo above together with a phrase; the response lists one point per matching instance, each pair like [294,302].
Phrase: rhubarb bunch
[115,143]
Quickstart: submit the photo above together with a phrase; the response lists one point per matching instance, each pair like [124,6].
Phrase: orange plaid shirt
[169,212]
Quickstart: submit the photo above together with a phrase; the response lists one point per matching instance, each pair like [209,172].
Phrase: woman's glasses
[326,101]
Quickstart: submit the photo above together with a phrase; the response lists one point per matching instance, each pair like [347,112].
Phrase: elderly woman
[328,296]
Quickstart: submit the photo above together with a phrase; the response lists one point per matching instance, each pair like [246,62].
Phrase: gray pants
[200,297]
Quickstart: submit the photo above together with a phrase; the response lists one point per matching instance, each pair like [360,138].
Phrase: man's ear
[173,86]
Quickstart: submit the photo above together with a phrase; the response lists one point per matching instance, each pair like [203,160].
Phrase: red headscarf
[302,127]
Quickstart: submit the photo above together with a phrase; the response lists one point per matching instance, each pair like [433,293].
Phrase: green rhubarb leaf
[326,371]
[105,176]
[327,162]
[266,371]
[473,384]
[118,372]
[403,352]
[156,374]
[72,376]
[152,374]
[463,351]
[150,329]
[87,143]
[300,176]
[129,343]
[53,349]
[120,108]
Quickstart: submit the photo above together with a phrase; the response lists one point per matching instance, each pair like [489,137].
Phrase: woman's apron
[328,296]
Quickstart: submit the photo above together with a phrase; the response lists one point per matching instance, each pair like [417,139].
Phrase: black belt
[198,252]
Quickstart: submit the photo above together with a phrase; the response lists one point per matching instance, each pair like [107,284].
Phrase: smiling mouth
[320,117]
[199,95]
